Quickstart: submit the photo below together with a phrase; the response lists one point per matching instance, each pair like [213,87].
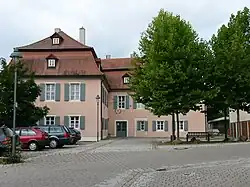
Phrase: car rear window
[2,136]
[56,129]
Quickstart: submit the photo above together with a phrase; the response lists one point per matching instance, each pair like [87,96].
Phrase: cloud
[112,26]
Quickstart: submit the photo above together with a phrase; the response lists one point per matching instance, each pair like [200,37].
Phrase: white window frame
[51,63]
[79,121]
[49,116]
[56,41]
[50,97]
[126,80]
[70,93]
[140,106]
[118,102]
[181,122]
[157,123]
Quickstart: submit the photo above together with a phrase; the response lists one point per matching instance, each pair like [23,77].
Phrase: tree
[230,74]
[27,92]
[167,74]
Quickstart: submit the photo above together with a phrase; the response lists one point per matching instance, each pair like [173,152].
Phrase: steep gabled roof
[67,43]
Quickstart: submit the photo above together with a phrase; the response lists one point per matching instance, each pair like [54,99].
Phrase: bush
[6,156]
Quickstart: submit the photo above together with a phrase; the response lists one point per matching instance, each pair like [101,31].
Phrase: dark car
[6,135]
[75,135]
[59,135]
[32,138]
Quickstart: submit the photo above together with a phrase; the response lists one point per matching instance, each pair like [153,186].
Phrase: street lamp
[97,103]
[16,55]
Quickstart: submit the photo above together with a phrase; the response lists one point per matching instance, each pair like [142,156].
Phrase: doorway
[121,128]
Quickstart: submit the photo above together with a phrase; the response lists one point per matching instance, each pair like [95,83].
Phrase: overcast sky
[112,26]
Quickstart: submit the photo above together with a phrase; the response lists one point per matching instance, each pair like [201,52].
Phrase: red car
[32,138]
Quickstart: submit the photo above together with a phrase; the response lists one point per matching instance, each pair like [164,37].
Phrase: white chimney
[108,56]
[57,30]
[82,35]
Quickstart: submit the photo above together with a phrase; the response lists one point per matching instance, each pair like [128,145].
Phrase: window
[50,92]
[51,63]
[160,125]
[125,80]
[50,120]
[140,106]
[75,92]
[27,132]
[181,125]
[121,102]
[56,41]
[74,122]
[56,129]
[141,125]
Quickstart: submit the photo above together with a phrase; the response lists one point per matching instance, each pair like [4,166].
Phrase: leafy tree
[168,73]
[229,74]
[27,113]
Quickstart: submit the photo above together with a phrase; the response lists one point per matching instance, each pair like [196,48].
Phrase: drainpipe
[101,112]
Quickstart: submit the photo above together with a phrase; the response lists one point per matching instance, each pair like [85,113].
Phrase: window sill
[49,100]
[160,131]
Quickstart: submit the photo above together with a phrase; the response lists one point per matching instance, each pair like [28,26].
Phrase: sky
[113,27]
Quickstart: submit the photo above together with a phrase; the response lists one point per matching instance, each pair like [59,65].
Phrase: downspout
[101,111]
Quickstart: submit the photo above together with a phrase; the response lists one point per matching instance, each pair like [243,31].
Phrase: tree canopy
[27,113]
[169,66]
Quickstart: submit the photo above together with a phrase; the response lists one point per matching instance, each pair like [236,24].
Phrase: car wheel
[53,144]
[33,146]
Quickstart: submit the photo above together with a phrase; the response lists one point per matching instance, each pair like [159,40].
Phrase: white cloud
[113,26]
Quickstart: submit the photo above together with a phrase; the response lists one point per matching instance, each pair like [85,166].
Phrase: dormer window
[51,63]
[56,41]
[126,80]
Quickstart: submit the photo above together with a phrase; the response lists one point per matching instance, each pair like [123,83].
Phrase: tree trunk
[178,130]
[226,124]
[237,124]
[173,128]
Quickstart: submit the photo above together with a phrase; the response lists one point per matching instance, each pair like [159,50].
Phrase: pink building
[71,76]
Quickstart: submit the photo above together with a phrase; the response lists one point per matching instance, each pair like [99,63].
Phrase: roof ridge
[74,39]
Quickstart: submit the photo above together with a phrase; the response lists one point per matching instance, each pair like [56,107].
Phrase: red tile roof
[83,66]
[67,43]
[116,63]
[114,69]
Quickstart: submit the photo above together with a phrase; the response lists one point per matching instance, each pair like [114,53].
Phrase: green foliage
[168,72]
[27,92]
[229,73]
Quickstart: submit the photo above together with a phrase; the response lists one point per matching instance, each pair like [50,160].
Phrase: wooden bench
[198,135]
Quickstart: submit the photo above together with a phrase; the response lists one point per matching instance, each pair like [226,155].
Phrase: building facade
[72,78]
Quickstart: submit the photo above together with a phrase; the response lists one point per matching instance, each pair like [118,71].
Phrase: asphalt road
[132,163]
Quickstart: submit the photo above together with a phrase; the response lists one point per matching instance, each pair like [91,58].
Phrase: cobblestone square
[132,163]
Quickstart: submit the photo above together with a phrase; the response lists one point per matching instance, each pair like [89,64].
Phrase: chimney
[108,56]
[82,35]
[57,30]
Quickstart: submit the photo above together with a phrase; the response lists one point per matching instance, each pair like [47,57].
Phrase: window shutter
[66,92]
[134,104]
[185,125]
[58,91]
[42,96]
[41,121]
[57,120]
[138,125]
[66,121]
[166,126]
[107,127]
[82,122]
[127,102]
[115,102]
[154,125]
[146,125]
[83,90]
[103,124]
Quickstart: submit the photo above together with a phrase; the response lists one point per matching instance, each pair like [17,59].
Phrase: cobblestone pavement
[132,163]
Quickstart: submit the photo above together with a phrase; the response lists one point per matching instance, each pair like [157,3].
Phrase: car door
[26,135]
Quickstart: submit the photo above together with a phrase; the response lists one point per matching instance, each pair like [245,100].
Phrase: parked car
[6,135]
[76,135]
[59,135]
[32,138]
[214,132]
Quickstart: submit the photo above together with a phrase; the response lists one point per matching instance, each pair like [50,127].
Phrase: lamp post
[97,122]
[15,57]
